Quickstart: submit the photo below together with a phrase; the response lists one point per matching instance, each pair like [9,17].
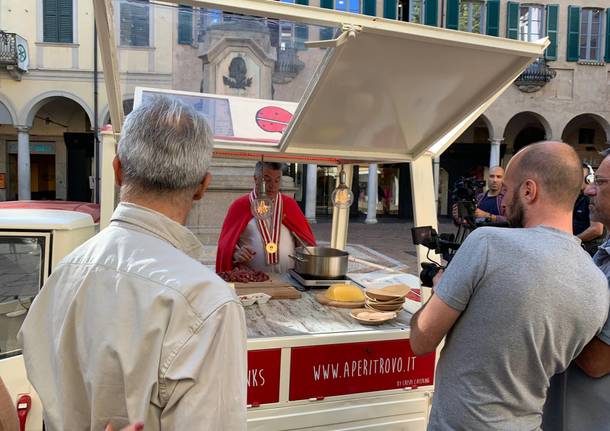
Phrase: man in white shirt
[131,326]
[262,245]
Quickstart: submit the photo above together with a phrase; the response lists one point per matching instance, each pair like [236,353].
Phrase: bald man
[489,203]
[518,314]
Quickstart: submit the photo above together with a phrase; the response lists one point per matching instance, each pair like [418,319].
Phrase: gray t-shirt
[577,401]
[531,299]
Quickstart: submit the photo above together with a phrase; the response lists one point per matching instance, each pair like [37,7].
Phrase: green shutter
[607,54]
[389,9]
[50,21]
[573,33]
[57,21]
[134,23]
[185,25]
[512,20]
[552,18]
[431,12]
[302,2]
[492,18]
[453,14]
[327,33]
[65,21]
[369,7]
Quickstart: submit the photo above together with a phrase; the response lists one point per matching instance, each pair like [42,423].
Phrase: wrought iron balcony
[535,76]
[13,54]
[8,48]
[287,66]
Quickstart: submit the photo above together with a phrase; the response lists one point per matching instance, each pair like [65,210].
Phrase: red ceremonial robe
[239,216]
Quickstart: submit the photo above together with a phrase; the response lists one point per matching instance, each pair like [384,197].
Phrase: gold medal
[271,247]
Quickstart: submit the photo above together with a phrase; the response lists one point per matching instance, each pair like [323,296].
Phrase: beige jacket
[132,327]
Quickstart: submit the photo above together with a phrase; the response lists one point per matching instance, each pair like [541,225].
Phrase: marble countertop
[306,316]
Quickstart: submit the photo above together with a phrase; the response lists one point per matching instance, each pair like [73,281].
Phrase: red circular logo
[273,119]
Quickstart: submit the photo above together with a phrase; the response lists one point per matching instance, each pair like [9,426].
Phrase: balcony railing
[287,66]
[535,76]
[8,49]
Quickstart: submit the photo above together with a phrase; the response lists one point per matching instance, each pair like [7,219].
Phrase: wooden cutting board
[276,287]
[322,299]
[275,280]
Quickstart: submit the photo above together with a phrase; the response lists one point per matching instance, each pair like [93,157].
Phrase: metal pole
[96,137]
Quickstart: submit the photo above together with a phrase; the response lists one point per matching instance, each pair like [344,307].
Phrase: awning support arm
[348,31]
[102,10]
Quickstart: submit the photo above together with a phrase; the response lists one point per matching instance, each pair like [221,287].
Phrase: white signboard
[23,55]
[248,121]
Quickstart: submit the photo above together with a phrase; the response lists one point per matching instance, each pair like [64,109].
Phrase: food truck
[378,91]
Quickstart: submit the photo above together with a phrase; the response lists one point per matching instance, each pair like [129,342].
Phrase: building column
[23,163]
[494,152]
[311,192]
[371,208]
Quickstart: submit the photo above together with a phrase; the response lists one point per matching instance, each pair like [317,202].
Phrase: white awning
[384,90]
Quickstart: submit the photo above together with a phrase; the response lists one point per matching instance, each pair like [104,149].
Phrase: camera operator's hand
[480,213]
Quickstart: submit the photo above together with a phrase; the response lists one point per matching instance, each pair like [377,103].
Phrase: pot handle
[297,258]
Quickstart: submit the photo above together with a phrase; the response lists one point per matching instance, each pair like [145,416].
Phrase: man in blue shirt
[489,204]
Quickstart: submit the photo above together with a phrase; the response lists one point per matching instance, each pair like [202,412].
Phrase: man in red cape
[245,240]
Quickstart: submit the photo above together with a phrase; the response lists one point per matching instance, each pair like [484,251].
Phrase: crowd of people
[133,328]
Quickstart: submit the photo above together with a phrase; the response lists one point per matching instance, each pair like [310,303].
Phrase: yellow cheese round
[344,293]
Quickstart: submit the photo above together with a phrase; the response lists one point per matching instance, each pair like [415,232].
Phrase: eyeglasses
[600,181]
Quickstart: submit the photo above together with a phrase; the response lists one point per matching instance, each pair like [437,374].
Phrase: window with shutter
[185,25]
[472,16]
[590,34]
[531,23]
[134,23]
[552,15]
[512,20]
[418,11]
[57,21]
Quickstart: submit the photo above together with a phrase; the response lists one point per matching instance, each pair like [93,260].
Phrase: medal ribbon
[274,236]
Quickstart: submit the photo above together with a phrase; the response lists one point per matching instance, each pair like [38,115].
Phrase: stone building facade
[50,109]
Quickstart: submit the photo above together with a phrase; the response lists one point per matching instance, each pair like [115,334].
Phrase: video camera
[443,244]
[464,195]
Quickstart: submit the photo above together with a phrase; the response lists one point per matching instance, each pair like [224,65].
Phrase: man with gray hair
[131,326]
[579,399]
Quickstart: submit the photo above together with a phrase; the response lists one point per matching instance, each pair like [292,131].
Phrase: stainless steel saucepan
[320,262]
